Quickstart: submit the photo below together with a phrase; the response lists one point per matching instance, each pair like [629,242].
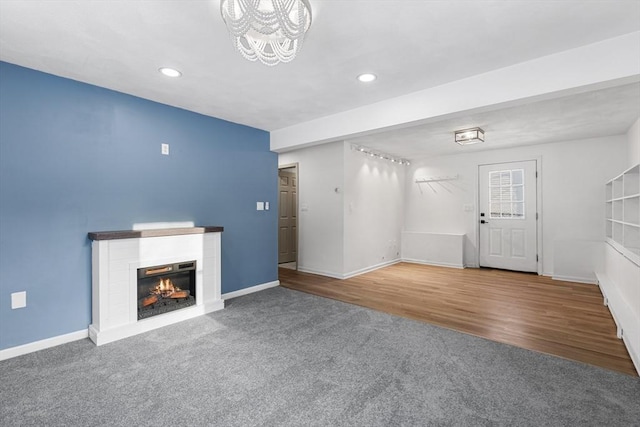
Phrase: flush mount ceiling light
[270,31]
[170,72]
[469,136]
[367,77]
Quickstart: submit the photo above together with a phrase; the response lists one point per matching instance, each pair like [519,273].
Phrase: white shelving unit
[622,213]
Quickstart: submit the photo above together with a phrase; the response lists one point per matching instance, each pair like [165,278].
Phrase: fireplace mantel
[116,258]
[159,232]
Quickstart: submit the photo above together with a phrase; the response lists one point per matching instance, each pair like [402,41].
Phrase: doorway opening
[288,216]
[508,202]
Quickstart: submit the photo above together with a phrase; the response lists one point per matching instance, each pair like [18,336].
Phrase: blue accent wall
[76,158]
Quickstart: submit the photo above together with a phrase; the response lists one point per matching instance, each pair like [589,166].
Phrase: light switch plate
[165,149]
[266,206]
[259,206]
[19,300]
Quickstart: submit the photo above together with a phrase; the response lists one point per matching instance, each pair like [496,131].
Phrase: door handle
[482,221]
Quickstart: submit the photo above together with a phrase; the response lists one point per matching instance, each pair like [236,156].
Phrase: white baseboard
[371,268]
[320,272]
[252,289]
[42,344]
[588,280]
[351,274]
[437,264]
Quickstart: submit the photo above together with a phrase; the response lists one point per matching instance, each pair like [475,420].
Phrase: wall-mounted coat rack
[436,179]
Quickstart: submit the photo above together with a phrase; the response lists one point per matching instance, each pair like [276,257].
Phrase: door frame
[296,167]
[539,242]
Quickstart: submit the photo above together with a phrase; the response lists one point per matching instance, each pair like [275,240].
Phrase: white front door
[508,216]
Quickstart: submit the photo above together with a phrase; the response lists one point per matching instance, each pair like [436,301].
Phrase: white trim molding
[250,290]
[351,273]
[575,279]
[320,272]
[434,263]
[42,344]
[370,268]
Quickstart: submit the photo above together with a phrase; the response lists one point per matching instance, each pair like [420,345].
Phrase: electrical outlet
[165,149]
[18,300]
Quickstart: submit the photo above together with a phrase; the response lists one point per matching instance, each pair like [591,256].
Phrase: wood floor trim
[559,318]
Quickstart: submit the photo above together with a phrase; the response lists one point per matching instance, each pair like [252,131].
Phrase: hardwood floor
[564,319]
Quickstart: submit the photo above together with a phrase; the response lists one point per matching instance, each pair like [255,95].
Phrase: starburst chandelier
[270,31]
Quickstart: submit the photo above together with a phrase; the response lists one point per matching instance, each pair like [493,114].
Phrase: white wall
[573,177]
[373,211]
[357,227]
[320,207]
[633,142]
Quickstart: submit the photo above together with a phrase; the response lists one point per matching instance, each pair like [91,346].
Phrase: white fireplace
[116,258]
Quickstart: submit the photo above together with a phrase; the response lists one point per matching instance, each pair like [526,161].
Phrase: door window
[506,194]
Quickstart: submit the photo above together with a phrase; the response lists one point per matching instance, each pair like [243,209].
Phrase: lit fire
[165,288]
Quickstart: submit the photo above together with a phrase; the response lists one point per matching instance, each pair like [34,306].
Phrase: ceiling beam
[599,65]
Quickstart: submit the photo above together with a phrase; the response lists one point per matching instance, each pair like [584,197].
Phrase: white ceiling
[588,115]
[411,45]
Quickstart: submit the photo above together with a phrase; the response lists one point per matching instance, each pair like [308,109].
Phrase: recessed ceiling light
[170,72]
[367,77]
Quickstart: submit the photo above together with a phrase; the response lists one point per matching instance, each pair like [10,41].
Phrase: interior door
[508,216]
[287,215]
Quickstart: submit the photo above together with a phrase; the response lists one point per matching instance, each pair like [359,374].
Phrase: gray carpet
[281,357]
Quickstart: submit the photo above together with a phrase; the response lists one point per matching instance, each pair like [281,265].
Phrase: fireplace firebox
[165,288]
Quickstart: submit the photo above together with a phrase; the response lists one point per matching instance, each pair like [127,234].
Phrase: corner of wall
[373,211]
[320,207]
[633,143]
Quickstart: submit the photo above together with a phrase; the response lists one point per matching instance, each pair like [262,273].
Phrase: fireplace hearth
[165,288]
